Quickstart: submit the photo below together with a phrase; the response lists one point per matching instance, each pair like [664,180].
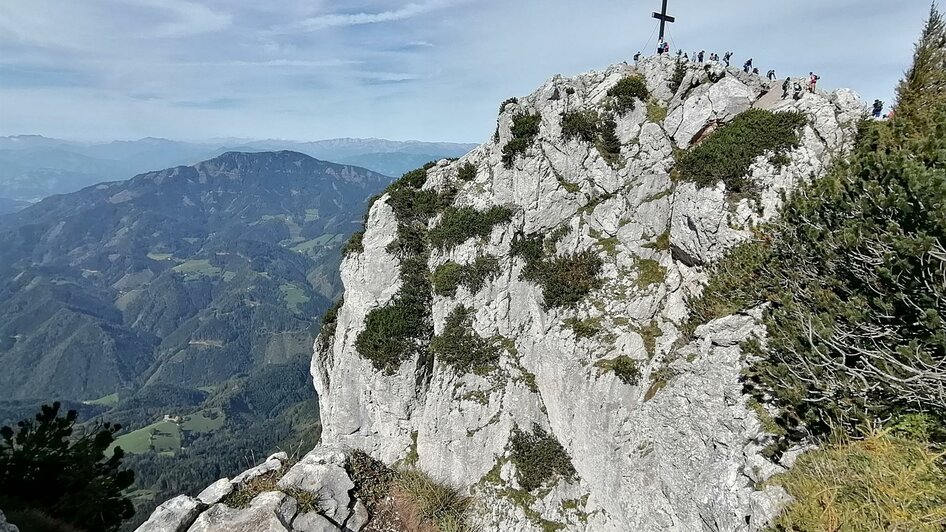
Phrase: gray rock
[175,515]
[269,512]
[359,518]
[330,482]
[5,526]
[215,492]
[273,463]
[672,460]
[313,522]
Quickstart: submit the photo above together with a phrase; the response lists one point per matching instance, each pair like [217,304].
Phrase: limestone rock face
[679,450]
[321,473]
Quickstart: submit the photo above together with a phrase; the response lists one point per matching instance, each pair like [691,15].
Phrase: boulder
[175,515]
[270,511]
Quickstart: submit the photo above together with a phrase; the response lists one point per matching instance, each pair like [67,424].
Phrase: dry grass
[880,483]
[426,505]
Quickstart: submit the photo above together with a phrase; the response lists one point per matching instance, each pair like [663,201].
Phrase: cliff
[516,322]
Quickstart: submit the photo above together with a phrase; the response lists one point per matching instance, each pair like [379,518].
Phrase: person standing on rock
[813,82]
[700,55]
[748,66]
[660,47]
[785,86]
[798,91]
[637,57]
[771,75]
[727,57]
[878,108]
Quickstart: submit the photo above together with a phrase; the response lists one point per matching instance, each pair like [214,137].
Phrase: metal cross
[664,18]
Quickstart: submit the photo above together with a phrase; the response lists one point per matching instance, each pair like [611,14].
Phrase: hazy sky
[398,69]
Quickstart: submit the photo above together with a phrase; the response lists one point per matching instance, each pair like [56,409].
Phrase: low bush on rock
[402,328]
[539,458]
[525,127]
[460,224]
[580,124]
[450,276]
[460,347]
[466,172]
[565,279]
[624,367]
[588,126]
[627,92]
[727,153]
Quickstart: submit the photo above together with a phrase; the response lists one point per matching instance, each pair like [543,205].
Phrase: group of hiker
[796,87]
[663,47]
[793,88]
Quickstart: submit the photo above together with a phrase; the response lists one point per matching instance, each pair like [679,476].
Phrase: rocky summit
[516,323]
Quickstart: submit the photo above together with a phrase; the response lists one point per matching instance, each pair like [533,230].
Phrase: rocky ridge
[676,449]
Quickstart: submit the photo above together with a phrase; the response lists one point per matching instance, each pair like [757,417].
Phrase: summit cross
[664,18]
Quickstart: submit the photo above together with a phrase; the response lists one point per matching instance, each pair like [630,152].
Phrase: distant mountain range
[188,275]
[33,167]
[193,292]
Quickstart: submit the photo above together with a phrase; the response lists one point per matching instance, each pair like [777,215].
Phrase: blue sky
[414,69]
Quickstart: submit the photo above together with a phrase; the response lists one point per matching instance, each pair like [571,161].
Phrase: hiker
[727,57]
[637,57]
[813,82]
[685,56]
[878,108]
[755,71]
[771,75]
[748,66]
[660,47]
[700,56]
[785,86]
[666,47]
[798,91]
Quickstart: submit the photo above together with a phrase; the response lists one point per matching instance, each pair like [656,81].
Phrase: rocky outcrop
[679,449]
[5,526]
[270,504]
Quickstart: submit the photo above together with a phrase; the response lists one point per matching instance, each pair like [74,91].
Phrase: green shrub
[45,468]
[727,153]
[506,103]
[586,328]
[399,330]
[734,285]
[449,276]
[580,124]
[459,346]
[372,479]
[243,496]
[627,91]
[355,244]
[466,172]
[413,179]
[879,483]
[679,74]
[402,328]
[565,280]
[329,322]
[460,224]
[539,459]
[525,127]
[624,367]
[608,144]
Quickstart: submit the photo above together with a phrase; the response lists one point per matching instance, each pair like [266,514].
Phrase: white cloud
[356,19]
